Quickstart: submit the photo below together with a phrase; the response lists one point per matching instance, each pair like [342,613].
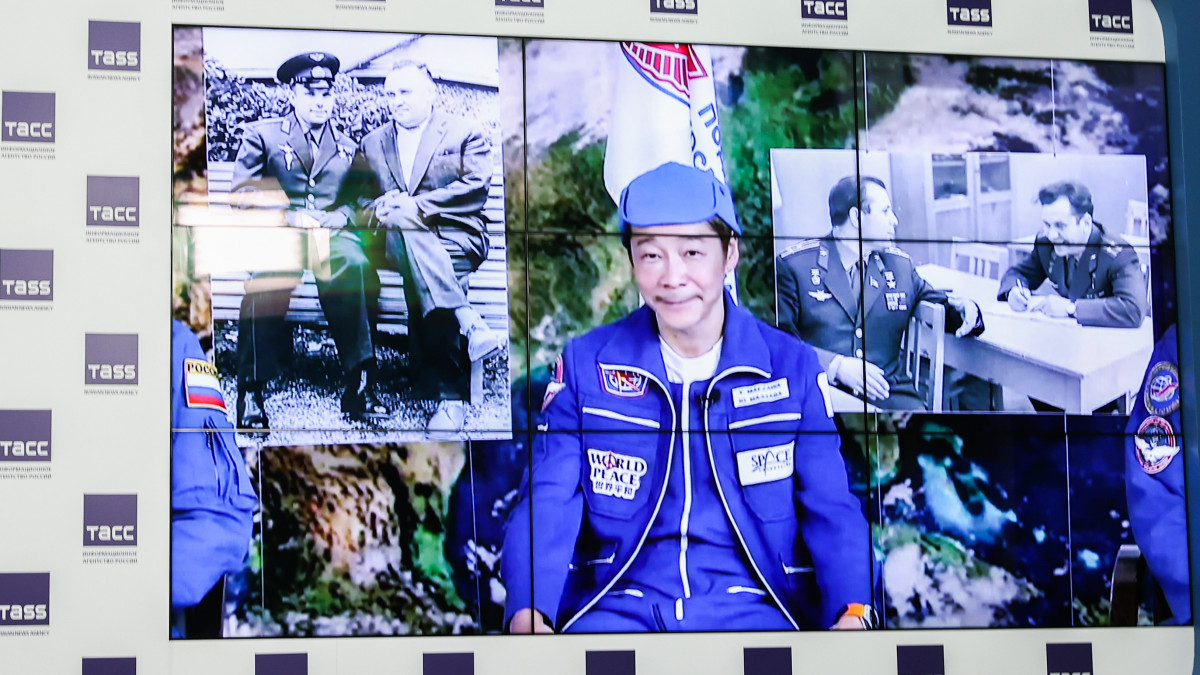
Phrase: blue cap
[675,194]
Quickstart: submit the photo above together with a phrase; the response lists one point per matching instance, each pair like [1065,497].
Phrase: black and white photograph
[984,281]
[352,232]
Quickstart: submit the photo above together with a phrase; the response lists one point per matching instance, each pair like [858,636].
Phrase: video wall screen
[488,335]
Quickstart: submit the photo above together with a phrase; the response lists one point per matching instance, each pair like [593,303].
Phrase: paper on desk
[1002,309]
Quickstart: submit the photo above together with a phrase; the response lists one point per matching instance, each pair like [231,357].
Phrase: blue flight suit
[212,500]
[1154,480]
[609,512]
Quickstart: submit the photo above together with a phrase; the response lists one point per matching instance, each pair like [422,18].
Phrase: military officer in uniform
[300,162]
[854,305]
[1096,276]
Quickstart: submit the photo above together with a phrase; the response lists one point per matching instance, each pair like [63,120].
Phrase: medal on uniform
[875,284]
[890,277]
[1161,395]
[896,302]
[289,154]
[820,296]
[816,276]
[345,151]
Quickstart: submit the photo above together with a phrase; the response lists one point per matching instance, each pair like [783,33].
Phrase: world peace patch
[623,382]
[615,475]
[201,388]
[1155,445]
[1161,395]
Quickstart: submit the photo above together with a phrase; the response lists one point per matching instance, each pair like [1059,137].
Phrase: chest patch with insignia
[201,387]
[754,394]
[556,383]
[765,465]
[622,382]
[615,475]
[820,296]
[1161,396]
[896,302]
[1155,444]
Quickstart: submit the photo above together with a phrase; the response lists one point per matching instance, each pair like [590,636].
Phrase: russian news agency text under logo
[122,666]
[27,117]
[1110,16]
[24,599]
[110,359]
[26,275]
[281,664]
[110,520]
[113,201]
[920,660]
[823,9]
[521,3]
[24,435]
[114,45]
[1069,659]
[969,12]
[674,6]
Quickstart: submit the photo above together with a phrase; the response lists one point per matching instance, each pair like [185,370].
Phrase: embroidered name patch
[765,465]
[1155,444]
[1162,389]
[754,394]
[621,382]
[615,475]
[201,388]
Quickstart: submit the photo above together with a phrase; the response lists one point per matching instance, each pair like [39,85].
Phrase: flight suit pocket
[619,449]
[765,474]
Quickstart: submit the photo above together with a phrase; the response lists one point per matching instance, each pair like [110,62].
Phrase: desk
[1077,368]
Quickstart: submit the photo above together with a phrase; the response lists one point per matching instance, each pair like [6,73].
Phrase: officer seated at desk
[1096,276]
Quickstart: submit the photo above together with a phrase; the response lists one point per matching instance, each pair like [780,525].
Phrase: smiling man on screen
[688,463]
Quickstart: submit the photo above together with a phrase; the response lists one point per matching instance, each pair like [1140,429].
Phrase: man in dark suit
[300,162]
[427,175]
[1096,276]
[851,295]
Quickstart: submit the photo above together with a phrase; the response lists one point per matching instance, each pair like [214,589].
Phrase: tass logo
[113,201]
[920,660]
[26,275]
[1110,16]
[969,12]
[25,599]
[674,6]
[520,3]
[114,45]
[823,9]
[281,664]
[27,117]
[1070,658]
[110,520]
[110,359]
[24,435]
[123,666]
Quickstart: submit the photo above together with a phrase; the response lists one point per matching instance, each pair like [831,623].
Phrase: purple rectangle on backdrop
[1070,657]
[610,663]
[114,45]
[969,12]
[110,520]
[110,359]
[281,664]
[122,666]
[24,436]
[920,660]
[521,3]
[26,275]
[835,10]
[767,661]
[25,599]
[27,117]
[113,200]
[1110,16]
[449,664]
[674,6]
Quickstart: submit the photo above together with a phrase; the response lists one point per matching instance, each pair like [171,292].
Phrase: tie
[856,278]
[1069,271]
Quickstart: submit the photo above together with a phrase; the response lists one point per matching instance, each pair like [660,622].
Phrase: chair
[1126,581]
[925,345]
[982,260]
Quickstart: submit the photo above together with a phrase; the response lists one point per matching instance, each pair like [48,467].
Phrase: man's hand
[527,621]
[848,622]
[334,220]
[1056,306]
[393,203]
[861,376]
[1018,298]
[305,219]
[969,311]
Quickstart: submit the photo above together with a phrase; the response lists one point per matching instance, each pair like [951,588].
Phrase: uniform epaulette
[1113,246]
[896,251]
[802,246]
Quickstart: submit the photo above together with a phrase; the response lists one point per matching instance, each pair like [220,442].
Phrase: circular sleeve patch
[1161,395]
[1155,444]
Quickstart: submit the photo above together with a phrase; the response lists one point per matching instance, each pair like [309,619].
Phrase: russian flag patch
[201,387]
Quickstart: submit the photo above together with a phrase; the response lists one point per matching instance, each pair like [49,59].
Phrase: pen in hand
[1018,297]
